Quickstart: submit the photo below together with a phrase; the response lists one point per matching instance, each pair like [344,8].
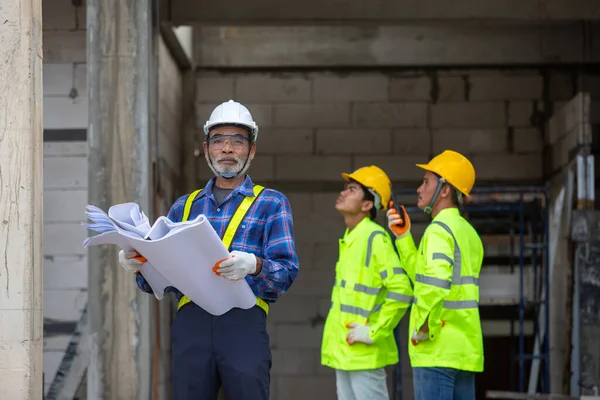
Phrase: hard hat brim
[352,177]
[209,126]
[426,167]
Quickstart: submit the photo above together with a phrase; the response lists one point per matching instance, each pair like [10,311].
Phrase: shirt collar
[447,212]
[246,188]
[349,237]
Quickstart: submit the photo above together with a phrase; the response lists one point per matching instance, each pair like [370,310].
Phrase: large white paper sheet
[179,254]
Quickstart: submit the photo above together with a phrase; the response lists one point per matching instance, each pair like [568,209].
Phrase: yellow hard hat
[455,168]
[373,178]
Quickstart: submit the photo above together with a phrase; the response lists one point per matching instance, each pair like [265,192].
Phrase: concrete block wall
[315,125]
[329,121]
[568,129]
[65,176]
[65,167]
[64,27]
[65,197]
[65,261]
[576,124]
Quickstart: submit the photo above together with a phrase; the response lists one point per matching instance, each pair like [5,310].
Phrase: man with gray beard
[255,223]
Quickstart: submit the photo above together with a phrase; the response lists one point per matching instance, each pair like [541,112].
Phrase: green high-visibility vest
[445,270]
[371,287]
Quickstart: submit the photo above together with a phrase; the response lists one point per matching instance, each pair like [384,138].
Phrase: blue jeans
[443,384]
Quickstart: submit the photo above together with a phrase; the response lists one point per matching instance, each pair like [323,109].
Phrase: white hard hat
[232,113]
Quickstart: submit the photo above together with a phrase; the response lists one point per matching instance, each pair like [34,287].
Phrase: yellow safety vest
[370,287]
[237,218]
[445,269]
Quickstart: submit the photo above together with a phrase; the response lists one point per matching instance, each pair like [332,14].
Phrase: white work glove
[422,334]
[419,336]
[130,261]
[238,266]
[358,333]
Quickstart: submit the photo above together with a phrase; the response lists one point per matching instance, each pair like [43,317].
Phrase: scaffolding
[513,223]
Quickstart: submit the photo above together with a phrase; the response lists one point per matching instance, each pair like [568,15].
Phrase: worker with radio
[446,344]
[370,295]
[255,223]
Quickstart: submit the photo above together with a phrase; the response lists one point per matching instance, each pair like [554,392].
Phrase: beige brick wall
[313,126]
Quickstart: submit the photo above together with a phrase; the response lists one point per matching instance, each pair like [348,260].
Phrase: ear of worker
[234,268]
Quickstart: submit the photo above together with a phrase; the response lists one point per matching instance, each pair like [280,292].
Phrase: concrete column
[119,66]
[191,137]
[21,189]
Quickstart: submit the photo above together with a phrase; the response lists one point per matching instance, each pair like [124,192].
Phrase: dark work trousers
[230,350]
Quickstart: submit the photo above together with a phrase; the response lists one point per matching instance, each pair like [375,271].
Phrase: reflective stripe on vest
[360,288]
[370,246]
[232,227]
[457,279]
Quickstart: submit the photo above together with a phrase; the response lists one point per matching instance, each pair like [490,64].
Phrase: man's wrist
[425,327]
[258,266]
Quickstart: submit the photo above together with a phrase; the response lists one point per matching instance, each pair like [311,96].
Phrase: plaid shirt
[266,231]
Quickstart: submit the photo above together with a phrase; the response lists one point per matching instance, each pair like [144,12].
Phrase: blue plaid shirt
[266,231]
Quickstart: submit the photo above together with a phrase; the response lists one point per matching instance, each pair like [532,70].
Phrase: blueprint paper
[129,217]
[179,254]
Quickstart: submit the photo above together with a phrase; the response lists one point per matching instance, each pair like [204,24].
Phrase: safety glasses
[237,142]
